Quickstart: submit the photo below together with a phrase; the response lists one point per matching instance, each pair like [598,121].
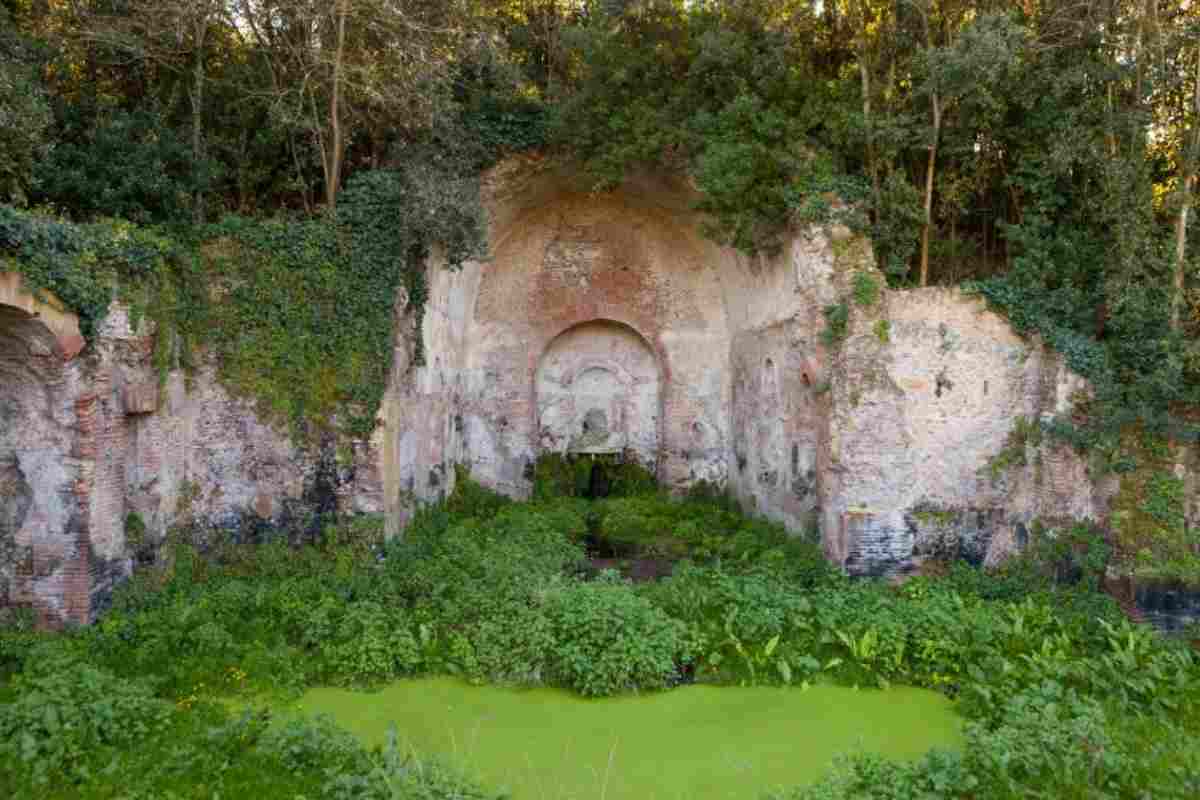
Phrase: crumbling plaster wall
[90,435]
[779,411]
[561,257]
[880,443]
[925,392]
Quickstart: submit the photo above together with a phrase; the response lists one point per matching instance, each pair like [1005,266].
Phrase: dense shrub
[370,643]
[1062,692]
[608,640]
[64,710]
[705,530]
[1048,743]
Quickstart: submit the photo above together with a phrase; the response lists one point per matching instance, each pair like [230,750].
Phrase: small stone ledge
[140,398]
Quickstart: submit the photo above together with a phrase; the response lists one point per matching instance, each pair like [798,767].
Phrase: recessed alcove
[598,392]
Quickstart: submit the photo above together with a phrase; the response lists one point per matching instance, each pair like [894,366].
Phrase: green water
[696,742]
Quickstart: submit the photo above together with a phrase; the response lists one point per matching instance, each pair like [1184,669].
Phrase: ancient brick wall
[631,267]
[597,323]
[88,436]
[45,477]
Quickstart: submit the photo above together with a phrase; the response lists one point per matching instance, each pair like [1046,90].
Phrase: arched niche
[598,390]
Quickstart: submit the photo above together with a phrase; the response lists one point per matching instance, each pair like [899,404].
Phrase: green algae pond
[696,742]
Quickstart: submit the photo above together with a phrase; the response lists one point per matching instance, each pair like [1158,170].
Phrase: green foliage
[312,299]
[1049,743]
[837,324]
[1061,690]
[315,337]
[608,640]
[119,163]
[557,475]
[471,499]
[553,476]
[896,229]
[24,114]
[629,479]
[65,709]
[883,331]
[203,749]
[1025,434]
[369,644]
[710,90]
[1148,521]
[865,288]
[704,530]
[82,264]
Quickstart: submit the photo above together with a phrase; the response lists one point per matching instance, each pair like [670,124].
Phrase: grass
[696,742]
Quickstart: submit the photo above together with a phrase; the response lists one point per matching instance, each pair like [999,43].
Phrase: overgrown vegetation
[1041,155]
[1045,667]
[312,299]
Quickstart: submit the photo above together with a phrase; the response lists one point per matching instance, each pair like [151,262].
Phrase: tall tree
[340,67]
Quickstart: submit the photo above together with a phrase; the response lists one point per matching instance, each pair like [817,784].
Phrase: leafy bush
[64,710]
[120,163]
[370,644]
[608,640]
[1049,743]
[479,570]
[704,531]
[738,621]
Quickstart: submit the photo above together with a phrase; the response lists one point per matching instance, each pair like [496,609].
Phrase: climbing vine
[298,312]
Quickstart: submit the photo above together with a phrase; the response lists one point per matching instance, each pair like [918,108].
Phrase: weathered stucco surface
[881,444]
[599,323]
[606,304]
[43,516]
[916,421]
[90,436]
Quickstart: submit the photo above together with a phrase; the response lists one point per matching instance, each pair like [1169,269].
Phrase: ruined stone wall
[89,436]
[422,424]
[778,410]
[598,323]
[631,268]
[927,396]
[882,443]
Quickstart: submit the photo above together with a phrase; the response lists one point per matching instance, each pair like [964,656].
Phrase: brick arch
[41,315]
[639,375]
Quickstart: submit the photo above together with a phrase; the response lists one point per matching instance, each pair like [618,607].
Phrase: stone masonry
[600,323]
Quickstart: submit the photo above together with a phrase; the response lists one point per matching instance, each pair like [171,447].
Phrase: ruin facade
[599,324]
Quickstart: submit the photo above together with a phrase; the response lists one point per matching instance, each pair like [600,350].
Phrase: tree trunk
[872,168]
[198,112]
[333,173]
[1186,179]
[929,172]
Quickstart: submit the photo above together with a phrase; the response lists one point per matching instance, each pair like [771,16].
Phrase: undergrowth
[1061,692]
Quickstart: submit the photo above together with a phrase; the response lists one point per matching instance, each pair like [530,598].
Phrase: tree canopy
[1043,153]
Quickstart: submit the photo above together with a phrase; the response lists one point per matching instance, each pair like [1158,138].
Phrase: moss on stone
[558,475]
[941,517]
[883,331]
[1147,519]
[1026,433]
